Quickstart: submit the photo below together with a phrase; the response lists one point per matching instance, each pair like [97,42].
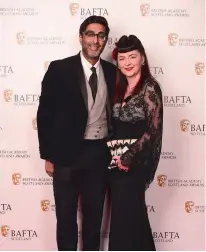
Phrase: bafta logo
[34,123]
[5,230]
[20,38]
[189,205]
[46,65]
[161,180]
[45,205]
[144,8]
[184,125]
[73,7]
[8,95]
[16,178]
[199,68]
[172,39]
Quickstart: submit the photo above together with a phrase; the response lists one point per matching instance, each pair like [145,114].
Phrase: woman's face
[130,63]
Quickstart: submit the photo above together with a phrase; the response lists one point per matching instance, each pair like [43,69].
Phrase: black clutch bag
[117,148]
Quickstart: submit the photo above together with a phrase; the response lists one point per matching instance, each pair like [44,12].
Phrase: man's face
[93,41]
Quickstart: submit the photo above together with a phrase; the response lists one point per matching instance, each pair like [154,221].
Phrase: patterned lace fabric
[146,106]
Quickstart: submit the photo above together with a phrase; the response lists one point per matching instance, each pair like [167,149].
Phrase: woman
[137,122]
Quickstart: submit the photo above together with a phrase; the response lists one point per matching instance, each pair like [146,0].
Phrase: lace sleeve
[151,140]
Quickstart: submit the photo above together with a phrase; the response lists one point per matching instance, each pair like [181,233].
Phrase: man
[73,122]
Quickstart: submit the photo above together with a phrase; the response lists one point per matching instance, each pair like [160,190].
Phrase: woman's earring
[143,63]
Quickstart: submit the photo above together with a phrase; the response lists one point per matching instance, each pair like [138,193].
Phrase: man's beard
[92,55]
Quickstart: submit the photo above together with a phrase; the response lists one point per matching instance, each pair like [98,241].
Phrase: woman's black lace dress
[140,118]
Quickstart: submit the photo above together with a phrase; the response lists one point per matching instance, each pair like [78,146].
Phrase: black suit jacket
[62,113]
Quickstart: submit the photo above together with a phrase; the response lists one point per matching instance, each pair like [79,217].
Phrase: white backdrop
[35,32]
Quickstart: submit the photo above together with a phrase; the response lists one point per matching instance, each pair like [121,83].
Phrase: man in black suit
[73,121]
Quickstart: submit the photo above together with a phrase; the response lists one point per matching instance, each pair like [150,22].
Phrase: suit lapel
[81,79]
[108,80]
[107,75]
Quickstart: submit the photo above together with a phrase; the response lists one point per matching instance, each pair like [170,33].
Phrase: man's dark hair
[94,20]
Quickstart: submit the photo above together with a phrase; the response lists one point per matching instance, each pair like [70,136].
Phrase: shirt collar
[87,65]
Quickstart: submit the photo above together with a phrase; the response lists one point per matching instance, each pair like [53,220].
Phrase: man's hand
[49,168]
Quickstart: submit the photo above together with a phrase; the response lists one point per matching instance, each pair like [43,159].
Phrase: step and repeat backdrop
[34,33]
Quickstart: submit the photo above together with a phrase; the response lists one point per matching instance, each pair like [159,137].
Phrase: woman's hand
[119,164]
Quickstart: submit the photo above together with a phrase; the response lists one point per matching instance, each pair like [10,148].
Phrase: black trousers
[87,178]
